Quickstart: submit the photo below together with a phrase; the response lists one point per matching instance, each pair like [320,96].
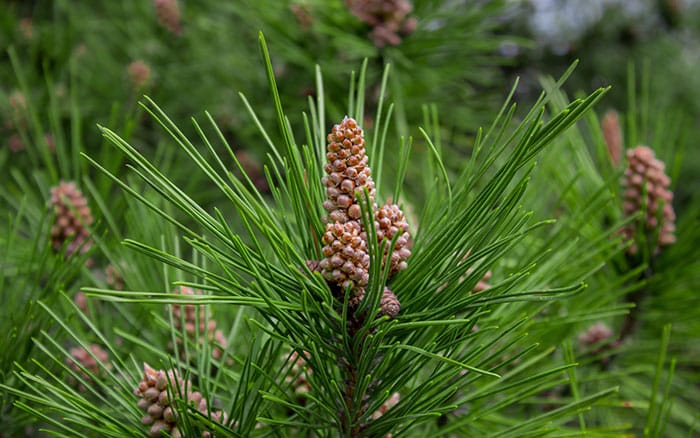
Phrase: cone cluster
[198,321]
[168,13]
[346,257]
[80,357]
[388,18]
[156,390]
[73,216]
[646,189]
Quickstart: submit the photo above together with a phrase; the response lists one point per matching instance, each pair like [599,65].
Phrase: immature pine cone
[644,172]
[207,329]
[156,402]
[389,305]
[612,133]
[168,12]
[347,172]
[346,261]
[73,216]
[80,356]
[390,221]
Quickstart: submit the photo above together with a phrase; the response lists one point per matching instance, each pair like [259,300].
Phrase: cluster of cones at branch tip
[645,188]
[346,261]
[645,191]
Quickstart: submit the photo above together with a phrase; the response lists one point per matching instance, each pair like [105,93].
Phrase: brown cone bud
[645,175]
[389,304]
[73,216]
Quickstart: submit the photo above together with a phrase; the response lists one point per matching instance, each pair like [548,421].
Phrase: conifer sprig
[433,352]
